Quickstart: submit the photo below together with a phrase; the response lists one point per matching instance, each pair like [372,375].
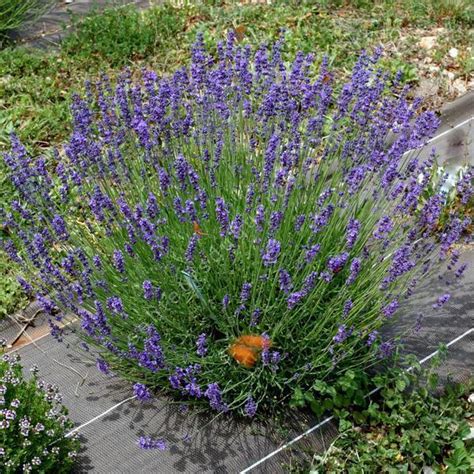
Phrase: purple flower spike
[442,300]
[250,407]
[225,301]
[348,305]
[147,290]
[460,271]
[342,334]
[386,349]
[145,442]
[384,227]
[272,252]
[119,262]
[389,310]
[222,215]
[285,281]
[201,345]
[372,337]
[355,269]
[260,218]
[312,252]
[97,262]
[245,293]
[236,227]
[191,249]
[336,264]
[142,393]
[353,229]
[102,366]
[214,395]
[59,227]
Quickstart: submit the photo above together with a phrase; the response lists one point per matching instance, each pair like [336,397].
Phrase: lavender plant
[33,423]
[237,229]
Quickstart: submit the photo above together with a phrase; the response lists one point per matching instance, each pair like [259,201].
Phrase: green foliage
[16,13]
[347,390]
[122,35]
[405,427]
[33,424]
[11,295]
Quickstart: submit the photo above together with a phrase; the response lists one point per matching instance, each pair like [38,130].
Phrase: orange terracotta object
[197,229]
[245,350]
[253,341]
[244,355]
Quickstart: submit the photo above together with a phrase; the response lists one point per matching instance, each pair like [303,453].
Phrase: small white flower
[27,467]
[39,427]
[15,403]
[25,423]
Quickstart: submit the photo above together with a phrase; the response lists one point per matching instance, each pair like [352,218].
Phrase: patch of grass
[120,36]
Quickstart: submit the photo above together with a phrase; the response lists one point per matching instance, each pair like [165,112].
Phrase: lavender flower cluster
[239,196]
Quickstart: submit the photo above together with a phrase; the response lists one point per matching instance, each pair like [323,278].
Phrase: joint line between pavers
[330,418]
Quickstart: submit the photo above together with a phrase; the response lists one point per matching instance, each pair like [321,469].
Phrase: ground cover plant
[235,232]
[33,423]
[36,84]
[407,427]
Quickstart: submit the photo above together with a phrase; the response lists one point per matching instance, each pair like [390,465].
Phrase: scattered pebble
[449,74]
[454,52]
[427,42]
[459,86]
